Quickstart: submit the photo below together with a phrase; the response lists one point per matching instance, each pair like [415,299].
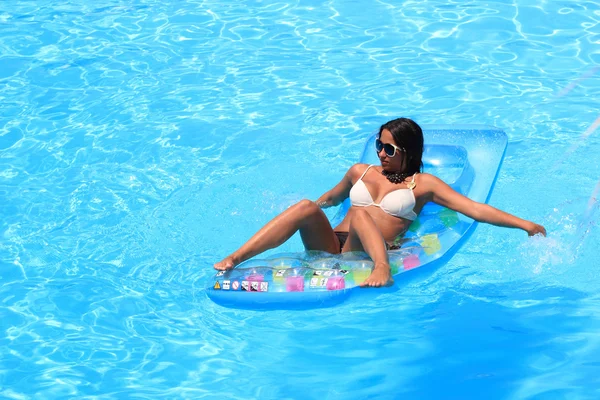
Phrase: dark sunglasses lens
[389,150]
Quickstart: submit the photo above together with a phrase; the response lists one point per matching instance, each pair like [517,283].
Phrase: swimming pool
[142,142]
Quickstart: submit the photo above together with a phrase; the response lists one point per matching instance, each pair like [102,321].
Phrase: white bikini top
[399,203]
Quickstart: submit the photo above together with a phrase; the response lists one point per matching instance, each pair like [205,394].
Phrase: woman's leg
[365,236]
[305,216]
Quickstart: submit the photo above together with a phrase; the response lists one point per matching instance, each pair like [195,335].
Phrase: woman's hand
[534,229]
[323,204]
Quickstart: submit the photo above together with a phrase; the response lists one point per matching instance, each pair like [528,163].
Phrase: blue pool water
[142,141]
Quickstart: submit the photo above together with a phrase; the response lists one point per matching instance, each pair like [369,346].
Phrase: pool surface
[142,141]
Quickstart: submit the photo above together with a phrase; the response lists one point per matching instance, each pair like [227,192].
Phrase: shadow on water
[522,341]
[506,342]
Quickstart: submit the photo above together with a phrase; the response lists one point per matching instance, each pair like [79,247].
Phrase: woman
[385,200]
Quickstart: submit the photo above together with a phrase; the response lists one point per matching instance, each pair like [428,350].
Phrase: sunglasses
[390,149]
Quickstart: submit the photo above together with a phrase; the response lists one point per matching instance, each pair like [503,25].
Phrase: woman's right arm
[341,191]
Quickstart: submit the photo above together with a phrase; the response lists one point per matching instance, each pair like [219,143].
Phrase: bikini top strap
[365,172]
[412,184]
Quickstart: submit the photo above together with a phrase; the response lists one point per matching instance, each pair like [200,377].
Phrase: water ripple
[141,142]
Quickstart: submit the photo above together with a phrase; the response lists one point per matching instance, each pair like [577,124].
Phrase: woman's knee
[359,216]
[307,207]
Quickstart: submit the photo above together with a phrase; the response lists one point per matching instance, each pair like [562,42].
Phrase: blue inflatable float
[467,158]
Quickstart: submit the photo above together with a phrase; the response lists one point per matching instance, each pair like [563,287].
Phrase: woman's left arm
[441,193]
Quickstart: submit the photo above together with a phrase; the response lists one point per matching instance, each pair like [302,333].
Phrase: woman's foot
[226,263]
[380,276]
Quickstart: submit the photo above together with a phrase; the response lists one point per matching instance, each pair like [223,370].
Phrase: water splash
[570,228]
[544,254]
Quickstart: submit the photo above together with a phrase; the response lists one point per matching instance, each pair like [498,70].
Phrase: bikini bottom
[343,237]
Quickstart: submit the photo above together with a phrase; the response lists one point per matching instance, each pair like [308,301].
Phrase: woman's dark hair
[408,135]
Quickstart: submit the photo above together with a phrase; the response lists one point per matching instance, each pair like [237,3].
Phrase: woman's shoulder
[357,170]
[427,180]
[423,176]
[426,177]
